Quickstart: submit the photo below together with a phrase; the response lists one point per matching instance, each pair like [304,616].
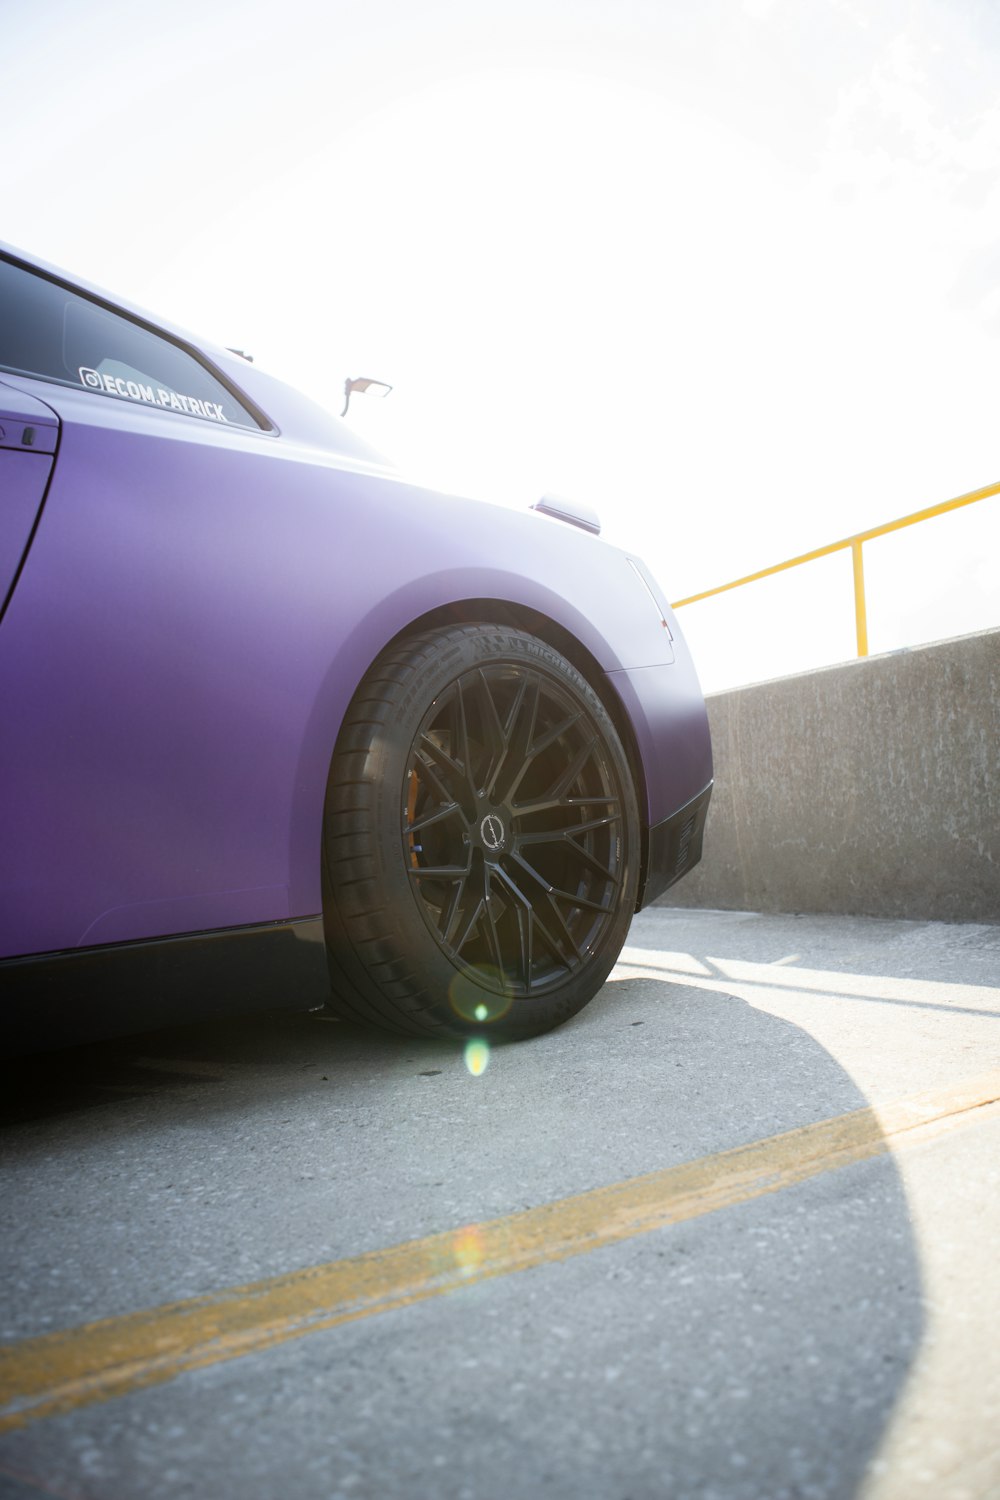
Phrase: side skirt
[83,994]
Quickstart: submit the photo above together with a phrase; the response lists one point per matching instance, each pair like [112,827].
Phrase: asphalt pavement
[729,1233]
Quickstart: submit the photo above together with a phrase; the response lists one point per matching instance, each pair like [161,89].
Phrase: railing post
[860,616]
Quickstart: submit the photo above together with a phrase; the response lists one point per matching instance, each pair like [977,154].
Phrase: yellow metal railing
[855,543]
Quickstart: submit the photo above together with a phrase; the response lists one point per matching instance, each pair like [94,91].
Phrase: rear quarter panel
[196,611]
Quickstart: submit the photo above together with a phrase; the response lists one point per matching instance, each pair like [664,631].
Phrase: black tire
[480,842]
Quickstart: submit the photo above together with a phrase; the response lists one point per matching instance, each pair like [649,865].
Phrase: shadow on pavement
[754,1352]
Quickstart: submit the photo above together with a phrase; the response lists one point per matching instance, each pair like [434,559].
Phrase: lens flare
[477,1055]
[482,997]
[468,1249]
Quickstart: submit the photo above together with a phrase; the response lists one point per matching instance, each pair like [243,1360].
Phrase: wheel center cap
[492,833]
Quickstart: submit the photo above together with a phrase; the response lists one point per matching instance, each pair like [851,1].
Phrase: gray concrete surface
[838,1339]
[872,788]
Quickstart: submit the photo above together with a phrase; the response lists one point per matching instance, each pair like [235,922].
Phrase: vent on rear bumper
[685,846]
[675,847]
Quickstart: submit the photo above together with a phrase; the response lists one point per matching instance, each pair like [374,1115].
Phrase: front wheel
[481,839]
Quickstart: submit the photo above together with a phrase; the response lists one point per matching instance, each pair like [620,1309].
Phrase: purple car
[278,728]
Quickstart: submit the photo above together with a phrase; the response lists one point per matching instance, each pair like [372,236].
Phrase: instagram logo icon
[91,379]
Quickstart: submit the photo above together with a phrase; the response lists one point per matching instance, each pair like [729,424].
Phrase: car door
[149,723]
[29,431]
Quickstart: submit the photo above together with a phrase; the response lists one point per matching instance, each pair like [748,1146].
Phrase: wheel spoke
[581,852]
[554,734]
[563,926]
[551,942]
[548,893]
[463,734]
[427,771]
[569,833]
[590,858]
[528,922]
[468,931]
[525,926]
[563,783]
[419,824]
[547,804]
[517,735]
[581,903]
[493,735]
[572,898]
[446,774]
[449,920]
[490,932]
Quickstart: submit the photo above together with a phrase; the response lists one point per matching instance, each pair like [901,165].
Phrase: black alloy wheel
[481,839]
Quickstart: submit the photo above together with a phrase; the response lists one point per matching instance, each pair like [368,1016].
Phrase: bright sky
[727,269]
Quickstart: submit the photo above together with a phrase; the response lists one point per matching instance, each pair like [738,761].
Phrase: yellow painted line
[60,1372]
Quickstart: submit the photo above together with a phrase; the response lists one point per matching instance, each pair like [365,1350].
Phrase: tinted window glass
[48,331]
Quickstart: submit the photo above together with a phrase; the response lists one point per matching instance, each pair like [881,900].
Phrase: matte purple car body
[192,606]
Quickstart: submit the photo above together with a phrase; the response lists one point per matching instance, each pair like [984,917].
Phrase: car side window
[53,333]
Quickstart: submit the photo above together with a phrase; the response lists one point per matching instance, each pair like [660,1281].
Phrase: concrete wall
[869,788]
